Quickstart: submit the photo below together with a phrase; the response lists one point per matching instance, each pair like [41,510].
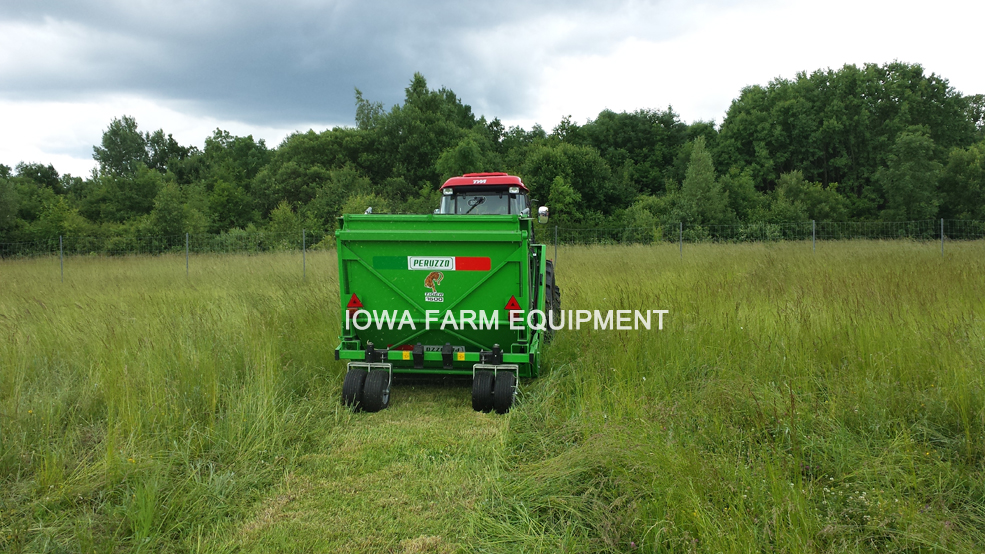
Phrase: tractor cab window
[473,201]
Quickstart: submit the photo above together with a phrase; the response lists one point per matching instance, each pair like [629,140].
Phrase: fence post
[813,236]
[942,237]
[680,237]
[186,254]
[61,257]
[304,255]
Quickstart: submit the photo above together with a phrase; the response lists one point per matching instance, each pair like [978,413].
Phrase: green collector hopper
[445,294]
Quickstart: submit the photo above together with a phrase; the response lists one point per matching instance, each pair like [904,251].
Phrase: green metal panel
[416,264]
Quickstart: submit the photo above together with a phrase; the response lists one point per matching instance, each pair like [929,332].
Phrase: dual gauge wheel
[493,391]
[370,390]
[366,390]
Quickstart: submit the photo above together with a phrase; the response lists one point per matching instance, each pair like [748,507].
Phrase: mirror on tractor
[542,214]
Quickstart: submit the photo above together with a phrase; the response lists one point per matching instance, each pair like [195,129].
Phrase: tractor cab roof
[485,180]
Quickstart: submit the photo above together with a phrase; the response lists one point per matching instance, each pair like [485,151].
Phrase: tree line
[864,143]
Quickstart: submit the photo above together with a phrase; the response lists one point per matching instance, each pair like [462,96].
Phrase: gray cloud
[298,61]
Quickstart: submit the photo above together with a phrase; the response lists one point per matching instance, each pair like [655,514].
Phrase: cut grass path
[402,480]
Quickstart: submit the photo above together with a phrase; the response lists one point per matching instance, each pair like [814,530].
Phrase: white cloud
[700,71]
[63,133]
[62,51]
[65,76]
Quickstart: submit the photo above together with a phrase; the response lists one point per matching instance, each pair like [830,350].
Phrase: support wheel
[482,391]
[376,391]
[552,301]
[504,391]
[352,388]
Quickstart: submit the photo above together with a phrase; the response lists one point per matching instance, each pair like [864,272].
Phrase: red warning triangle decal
[354,302]
[513,304]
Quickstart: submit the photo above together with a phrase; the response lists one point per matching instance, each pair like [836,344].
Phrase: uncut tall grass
[794,402]
[144,408]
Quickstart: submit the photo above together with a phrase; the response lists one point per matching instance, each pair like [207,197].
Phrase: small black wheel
[482,391]
[552,301]
[352,388]
[504,391]
[376,391]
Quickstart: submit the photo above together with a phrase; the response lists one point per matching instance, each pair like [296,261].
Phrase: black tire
[482,391]
[352,388]
[504,391]
[376,391]
[552,300]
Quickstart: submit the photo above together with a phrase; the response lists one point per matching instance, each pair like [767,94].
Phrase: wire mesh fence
[256,242]
[926,230]
[227,243]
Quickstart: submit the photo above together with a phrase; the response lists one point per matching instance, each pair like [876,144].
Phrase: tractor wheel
[504,391]
[552,300]
[352,388]
[482,391]
[376,392]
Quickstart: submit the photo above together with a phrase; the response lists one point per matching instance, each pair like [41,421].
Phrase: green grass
[794,402]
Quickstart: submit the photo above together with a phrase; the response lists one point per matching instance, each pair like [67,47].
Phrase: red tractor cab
[485,194]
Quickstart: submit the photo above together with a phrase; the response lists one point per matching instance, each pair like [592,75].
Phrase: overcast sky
[67,67]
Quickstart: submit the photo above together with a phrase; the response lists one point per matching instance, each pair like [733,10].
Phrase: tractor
[464,291]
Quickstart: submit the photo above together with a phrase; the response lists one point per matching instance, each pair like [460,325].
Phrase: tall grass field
[795,401]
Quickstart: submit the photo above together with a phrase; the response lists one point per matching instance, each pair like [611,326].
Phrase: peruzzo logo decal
[433,263]
[432,281]
[448,263]
[430,263]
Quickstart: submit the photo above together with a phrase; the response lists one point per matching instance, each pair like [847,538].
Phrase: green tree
[358,203]
[235,159]
[563,201]
[782,210]
[962,183]
[231,207]
[818,202]
[646,140]
[743,198]
[164,153]
[289,182]
[515,144]
[177,210]
[169,214]
[976,113]
[407,141]
[368,114]
[838,126]
[332,194]
[8,203]
[42,175]
[465,157]
[908,181]
[118,198]
[31,198]
[649,214]
[701,199]
[286,224]
[123,150]
[58,217]
[396,190]
[425,201]
[581,167]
